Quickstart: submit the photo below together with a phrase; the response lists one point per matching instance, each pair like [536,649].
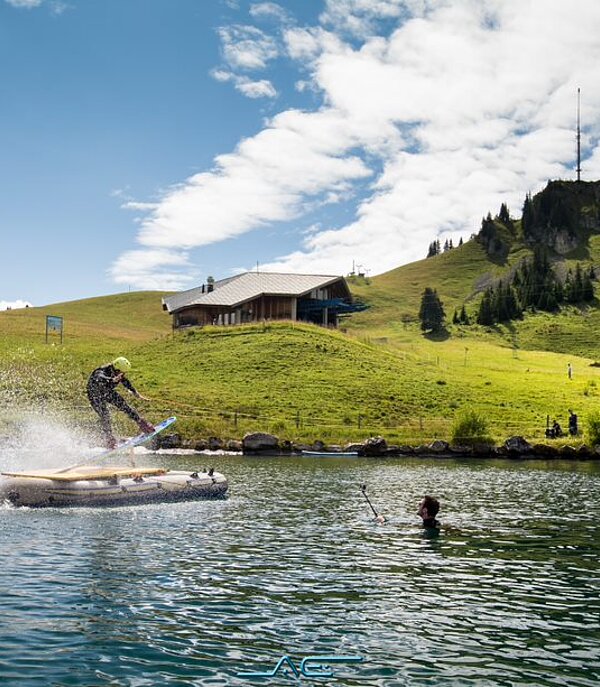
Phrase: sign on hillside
[54,325]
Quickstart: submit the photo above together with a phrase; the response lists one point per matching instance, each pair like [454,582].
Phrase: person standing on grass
[573,429]
[101,386]
[570,371]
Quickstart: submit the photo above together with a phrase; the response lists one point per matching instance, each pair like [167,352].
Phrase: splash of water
[42,440]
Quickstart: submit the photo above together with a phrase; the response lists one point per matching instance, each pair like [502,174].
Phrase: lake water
[292,564]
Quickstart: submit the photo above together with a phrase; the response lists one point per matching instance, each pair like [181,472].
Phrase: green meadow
[378,375]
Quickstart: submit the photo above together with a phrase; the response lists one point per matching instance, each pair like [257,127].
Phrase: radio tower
[578,138]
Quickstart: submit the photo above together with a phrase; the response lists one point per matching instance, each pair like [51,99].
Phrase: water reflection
[293,564]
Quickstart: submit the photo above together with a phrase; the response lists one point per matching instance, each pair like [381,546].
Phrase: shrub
[593,428]
[470,428]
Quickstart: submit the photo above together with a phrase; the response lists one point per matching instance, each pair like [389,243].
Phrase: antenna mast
[578,137]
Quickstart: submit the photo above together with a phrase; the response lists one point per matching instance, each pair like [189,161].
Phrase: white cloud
[266,179]
[360,17]
[247,47]
[135,205]
[14,305]
[58,8]
[256,89]
[261,88]
[145,269]
[306,44]
[28,4]
[269,10]
[222,75]
[465,105]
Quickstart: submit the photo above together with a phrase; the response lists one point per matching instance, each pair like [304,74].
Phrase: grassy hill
[381,375]
[126,317]
[299,381]
[460,276]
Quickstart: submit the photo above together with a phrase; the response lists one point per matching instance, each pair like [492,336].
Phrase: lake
[292,564]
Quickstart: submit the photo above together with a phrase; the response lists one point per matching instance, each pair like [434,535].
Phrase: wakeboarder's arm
[129,386]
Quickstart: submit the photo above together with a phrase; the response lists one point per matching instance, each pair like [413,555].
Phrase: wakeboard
[137,440]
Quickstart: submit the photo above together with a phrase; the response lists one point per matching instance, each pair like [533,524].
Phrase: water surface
[293,564]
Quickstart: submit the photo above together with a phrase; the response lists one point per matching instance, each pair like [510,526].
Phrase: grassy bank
[298,381]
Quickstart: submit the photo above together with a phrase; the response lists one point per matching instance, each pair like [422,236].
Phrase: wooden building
[258,296]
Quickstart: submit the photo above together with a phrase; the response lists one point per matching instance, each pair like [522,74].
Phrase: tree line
[435,247]
[534,286]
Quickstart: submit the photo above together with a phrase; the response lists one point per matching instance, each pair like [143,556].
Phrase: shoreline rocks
[264,444]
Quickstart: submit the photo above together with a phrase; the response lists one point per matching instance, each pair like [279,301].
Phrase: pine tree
[528,218]
[568,288]
[504,215]
[431,312]
[588,289]
[513,307]
[464,318]
[460,242]
[578,284]
[485,315]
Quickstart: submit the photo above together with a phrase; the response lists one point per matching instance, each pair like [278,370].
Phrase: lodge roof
[244,287]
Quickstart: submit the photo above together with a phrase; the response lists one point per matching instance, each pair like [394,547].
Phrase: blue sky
[147,144]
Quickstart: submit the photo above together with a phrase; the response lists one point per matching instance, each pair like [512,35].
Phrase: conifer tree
[588,289]
[431,312]
[578,284]
[485,315]
[528,218]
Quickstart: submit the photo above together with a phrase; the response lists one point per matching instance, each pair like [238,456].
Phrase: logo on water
[310,666]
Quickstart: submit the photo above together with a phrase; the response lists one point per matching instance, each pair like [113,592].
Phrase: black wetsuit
[573,425]
[101,391]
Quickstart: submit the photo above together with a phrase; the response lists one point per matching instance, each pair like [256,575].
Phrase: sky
[148,144]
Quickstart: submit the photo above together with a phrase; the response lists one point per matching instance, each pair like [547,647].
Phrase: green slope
[302,382]
[131,317]
[460,276]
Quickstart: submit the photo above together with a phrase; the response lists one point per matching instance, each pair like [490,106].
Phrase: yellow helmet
[121,364]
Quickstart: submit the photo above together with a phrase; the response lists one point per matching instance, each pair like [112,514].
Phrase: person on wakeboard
[101,387]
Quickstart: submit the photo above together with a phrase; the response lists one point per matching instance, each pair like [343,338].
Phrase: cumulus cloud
[247,47]
[14,305]
[360,17]
[162,269]
[267,179]
[269,10]
[260,88]
[455,108]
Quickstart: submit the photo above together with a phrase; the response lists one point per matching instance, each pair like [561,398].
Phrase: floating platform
[108,486]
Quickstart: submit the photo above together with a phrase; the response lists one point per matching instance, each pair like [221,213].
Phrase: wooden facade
[309,307]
